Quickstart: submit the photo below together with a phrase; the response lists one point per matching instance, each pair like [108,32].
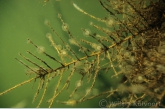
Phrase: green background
[23,19]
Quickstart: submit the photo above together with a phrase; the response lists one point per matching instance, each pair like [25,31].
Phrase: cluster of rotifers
[132,45]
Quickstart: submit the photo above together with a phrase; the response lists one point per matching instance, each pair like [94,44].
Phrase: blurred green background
[23,19]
